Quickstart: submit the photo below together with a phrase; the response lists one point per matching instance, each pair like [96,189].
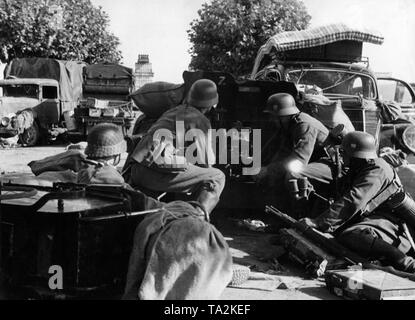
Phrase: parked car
[329,60]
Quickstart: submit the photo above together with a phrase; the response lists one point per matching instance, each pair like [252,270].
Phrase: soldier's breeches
[188,181]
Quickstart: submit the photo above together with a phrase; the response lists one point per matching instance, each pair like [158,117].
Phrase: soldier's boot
[393,256]
[369,245]
[407,264]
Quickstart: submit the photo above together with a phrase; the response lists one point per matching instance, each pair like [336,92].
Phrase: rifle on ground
[329,244]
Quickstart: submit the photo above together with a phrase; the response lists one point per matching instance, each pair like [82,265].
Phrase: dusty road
[247,249]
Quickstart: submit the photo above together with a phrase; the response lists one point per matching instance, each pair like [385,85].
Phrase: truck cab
[39,96]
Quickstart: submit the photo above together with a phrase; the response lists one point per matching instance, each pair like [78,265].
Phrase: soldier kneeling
[372,214]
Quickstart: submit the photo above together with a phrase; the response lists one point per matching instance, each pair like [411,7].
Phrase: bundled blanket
[330,113]
[69,160]
[73,166]
[177,255]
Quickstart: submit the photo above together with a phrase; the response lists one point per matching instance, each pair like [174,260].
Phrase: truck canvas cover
[108,78]
[67,73]
[335,42]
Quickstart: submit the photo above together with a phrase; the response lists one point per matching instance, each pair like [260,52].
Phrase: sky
[158,28]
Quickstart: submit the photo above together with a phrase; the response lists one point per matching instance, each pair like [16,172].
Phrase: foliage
[228,33]
[61,29]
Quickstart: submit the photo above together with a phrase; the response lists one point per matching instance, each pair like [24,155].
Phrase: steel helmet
[360,145]
[105,140]
[282,104]
[203,94]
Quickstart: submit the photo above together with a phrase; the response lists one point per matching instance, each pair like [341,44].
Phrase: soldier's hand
[309,222]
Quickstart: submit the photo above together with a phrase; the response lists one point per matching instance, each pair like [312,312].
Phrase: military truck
[43,98]
[105,98]
[37,93]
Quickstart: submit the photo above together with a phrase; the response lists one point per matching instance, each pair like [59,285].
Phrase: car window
[335,82]
[50,92]
[395,90]
[21,90]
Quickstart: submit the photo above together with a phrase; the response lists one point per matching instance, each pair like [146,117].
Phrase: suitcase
[361,284]
[87,232]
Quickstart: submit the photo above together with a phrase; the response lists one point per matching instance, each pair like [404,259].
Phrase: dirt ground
[248,248]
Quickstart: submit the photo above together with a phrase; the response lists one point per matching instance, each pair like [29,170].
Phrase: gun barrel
[282,216]
[286,219]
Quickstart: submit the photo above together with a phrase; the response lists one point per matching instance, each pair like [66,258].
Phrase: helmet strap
[117,160]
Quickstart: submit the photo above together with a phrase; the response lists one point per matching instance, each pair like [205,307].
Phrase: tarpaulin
[67,73]
[107,79]
[177,255]
[108,71]
[293,40]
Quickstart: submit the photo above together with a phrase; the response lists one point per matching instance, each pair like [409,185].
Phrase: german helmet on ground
[360,145]
[282,104]
[105,140]
[203,94]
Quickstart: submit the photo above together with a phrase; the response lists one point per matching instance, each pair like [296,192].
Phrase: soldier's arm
[304,141]
[365,187]
[302,147]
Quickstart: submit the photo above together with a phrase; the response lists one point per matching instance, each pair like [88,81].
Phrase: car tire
[31,136]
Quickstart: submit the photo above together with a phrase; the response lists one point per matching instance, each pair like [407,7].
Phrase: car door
[400,134]
[391,89]
[48,111]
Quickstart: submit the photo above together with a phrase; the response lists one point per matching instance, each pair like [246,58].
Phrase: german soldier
[163,163]
[105,145]
[302,150]
[372,214]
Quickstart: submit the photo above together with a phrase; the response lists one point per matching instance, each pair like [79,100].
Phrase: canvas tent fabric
[107,79]
[67,73]
[294,40]
[108,71]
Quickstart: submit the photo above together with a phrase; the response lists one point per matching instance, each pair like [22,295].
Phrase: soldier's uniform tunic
[188,179]
[377,235]
[304,140]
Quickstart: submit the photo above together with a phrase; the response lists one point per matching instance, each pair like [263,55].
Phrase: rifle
[331,245]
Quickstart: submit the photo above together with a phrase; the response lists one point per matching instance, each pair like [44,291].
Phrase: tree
[61,29]
[228,33]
